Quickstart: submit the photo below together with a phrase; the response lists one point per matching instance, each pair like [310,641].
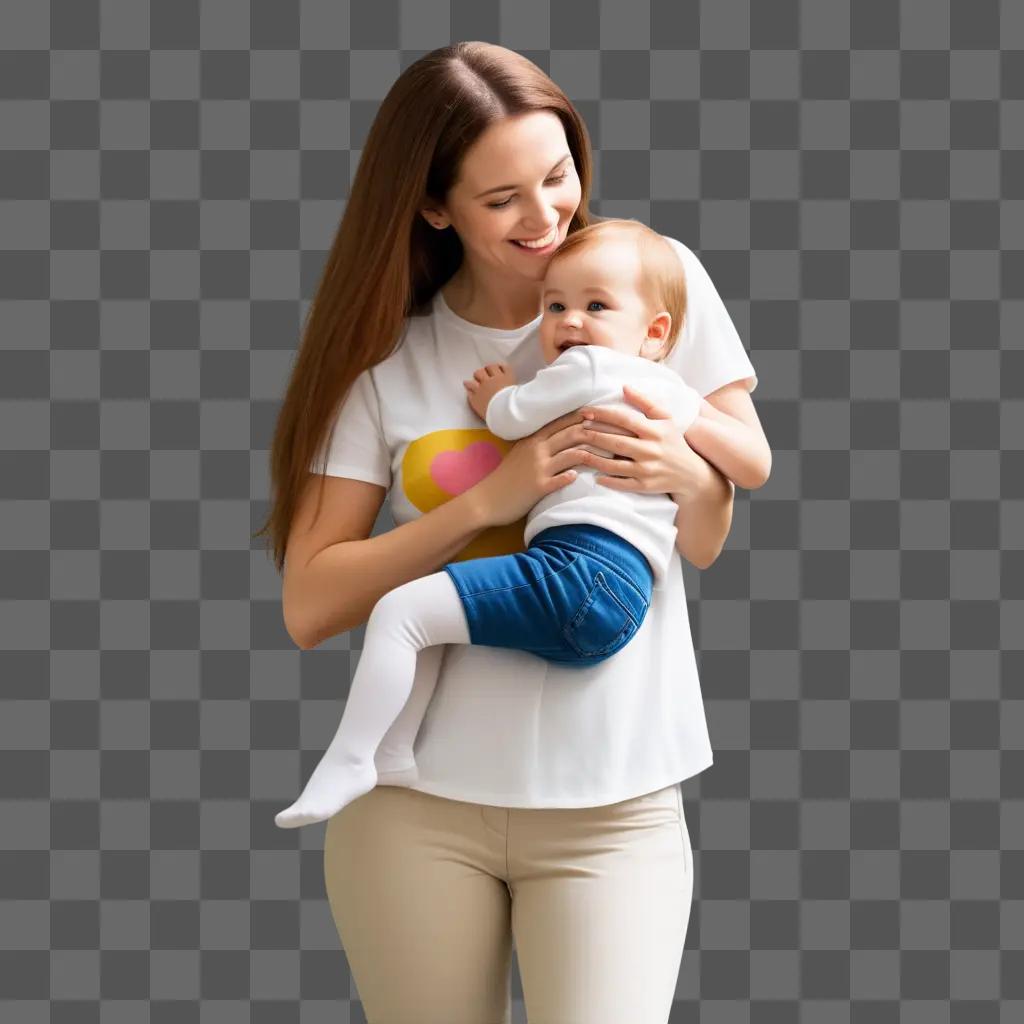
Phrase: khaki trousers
[428,895]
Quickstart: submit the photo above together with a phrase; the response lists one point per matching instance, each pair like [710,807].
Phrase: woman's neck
[492,306]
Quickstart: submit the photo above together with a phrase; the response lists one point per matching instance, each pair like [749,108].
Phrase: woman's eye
[550,181]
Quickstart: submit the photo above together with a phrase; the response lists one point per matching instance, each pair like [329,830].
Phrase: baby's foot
[331,787]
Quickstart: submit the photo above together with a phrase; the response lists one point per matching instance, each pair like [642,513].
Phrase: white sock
[421,613]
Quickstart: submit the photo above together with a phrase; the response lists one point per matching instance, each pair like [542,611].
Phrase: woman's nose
[541,221]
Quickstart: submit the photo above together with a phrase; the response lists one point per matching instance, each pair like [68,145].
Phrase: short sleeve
[357,448]
[708,353]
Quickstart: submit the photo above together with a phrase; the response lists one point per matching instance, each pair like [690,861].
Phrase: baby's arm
[730,444]
[512,411]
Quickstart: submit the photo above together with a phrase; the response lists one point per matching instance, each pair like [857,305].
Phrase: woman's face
[517,181]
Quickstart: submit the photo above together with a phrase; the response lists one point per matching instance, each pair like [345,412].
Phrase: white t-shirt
[592,375]
[506,727]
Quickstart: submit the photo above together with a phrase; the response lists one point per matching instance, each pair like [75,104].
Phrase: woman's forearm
[339,587]
[704,518]
[730,445]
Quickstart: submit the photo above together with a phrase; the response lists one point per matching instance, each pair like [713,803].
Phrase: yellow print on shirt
[444,463]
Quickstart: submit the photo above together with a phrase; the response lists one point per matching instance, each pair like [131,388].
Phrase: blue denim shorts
[576,595]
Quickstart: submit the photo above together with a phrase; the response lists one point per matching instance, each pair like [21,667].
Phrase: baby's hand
[486,383]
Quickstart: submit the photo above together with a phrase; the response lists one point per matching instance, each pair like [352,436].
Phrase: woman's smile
[539,250]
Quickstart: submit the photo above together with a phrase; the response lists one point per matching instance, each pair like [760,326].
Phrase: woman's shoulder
[709,352]
[414,334]
[685,252]
[687,256]
[701,292]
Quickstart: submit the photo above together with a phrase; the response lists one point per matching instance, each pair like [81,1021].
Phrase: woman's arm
[734,447]
[335,572]
[332,584]
[705,515]
[704,518]
[654,458]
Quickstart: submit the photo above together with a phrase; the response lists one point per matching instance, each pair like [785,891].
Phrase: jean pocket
[603,622]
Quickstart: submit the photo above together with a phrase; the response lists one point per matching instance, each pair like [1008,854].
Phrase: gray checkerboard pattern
[852,175]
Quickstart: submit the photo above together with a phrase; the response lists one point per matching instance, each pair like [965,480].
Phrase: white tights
[423,613]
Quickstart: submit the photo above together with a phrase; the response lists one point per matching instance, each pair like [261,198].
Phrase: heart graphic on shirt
[457,471]
[443,464]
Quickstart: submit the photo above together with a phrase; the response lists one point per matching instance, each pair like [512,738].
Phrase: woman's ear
[434,218]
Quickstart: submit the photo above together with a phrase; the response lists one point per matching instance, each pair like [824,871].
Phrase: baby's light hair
[662,281]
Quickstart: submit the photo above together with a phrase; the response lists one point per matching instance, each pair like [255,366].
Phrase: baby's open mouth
[569,344]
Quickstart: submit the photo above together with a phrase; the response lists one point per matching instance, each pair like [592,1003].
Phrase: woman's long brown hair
[385,262]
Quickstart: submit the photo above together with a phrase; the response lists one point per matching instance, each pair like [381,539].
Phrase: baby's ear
[655,349]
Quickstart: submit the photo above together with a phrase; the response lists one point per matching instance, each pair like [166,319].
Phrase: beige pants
[428,894]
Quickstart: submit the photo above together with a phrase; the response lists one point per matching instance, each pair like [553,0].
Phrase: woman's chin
[537,268]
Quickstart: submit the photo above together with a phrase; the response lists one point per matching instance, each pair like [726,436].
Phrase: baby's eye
[593,302]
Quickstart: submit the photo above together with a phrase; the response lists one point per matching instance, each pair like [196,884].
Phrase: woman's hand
[657,460]
[534,466]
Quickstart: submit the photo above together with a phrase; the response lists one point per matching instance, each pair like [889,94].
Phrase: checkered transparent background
[852,176]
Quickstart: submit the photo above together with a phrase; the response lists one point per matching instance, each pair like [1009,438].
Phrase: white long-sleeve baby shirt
[593,375]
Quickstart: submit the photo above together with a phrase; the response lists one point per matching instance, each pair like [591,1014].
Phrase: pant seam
[683,831]
[620,573]
[518,586]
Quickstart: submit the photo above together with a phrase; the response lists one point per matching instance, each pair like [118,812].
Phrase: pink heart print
[457,471]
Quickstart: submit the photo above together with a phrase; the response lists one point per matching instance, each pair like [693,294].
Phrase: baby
[614,298]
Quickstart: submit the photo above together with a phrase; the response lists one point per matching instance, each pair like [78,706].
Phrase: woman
[542,804]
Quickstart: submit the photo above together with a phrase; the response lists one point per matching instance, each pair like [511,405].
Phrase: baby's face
[590,297]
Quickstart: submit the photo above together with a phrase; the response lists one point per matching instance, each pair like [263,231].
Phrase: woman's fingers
[639,399]
[632,420]
[635,421]
[618,467]
[619,483]
[569,458]
[567,422]
[570,434]
[619,444]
